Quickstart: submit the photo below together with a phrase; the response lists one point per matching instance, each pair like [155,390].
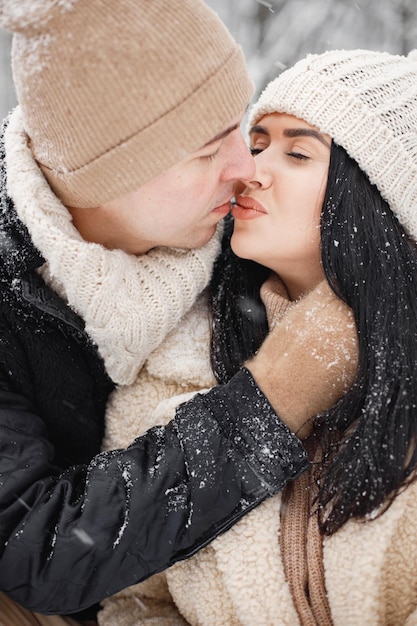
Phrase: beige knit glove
[309,360]
[275,298]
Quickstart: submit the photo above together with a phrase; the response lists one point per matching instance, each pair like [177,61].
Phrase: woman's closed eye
[295,155]
[298,155]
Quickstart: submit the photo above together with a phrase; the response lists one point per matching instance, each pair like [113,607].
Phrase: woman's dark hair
[239,317]
[369,437]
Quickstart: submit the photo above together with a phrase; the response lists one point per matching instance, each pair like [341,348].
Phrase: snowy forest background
[276,33]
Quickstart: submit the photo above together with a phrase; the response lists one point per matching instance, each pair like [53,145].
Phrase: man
[117,166]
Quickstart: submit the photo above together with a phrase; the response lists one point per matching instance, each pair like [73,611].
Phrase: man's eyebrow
[305,132]
[224,133]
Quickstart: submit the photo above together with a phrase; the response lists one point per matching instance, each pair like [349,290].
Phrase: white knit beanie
[367,102]
[114,92]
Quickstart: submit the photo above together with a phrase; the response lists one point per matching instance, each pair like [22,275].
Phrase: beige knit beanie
[114,93]
[367,102]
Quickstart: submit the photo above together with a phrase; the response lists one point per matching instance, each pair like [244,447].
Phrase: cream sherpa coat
[238,580]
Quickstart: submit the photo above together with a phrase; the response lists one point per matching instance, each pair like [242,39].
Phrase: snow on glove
[309,360]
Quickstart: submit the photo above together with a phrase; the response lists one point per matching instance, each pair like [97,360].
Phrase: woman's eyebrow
[305,132]
[260,130]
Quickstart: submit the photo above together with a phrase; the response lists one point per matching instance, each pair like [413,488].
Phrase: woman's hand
[309,359]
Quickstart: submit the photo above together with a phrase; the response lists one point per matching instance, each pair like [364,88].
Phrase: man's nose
[240,187]
[241,166]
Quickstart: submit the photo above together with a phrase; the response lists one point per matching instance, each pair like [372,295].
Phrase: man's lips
[246,208]
[223,209]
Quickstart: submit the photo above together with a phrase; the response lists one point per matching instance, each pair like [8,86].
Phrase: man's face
[182,206]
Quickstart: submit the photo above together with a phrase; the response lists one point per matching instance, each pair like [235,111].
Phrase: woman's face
[277,215]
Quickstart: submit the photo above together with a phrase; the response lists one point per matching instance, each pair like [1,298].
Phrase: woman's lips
[246,208]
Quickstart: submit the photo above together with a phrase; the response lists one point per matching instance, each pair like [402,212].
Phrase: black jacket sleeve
[70,538]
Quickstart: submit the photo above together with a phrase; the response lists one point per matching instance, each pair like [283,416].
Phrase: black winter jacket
[77,525]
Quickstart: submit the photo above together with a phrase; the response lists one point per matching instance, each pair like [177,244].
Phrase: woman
[362,239]
[333,201]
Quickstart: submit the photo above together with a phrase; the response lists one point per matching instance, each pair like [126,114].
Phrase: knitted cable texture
[128,303]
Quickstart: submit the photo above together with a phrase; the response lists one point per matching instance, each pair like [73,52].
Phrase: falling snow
[275,34]
[83,536]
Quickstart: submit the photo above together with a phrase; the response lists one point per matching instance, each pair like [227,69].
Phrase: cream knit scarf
[129,304]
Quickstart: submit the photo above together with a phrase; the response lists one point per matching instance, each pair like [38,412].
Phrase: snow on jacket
[239,580]
[77,525]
